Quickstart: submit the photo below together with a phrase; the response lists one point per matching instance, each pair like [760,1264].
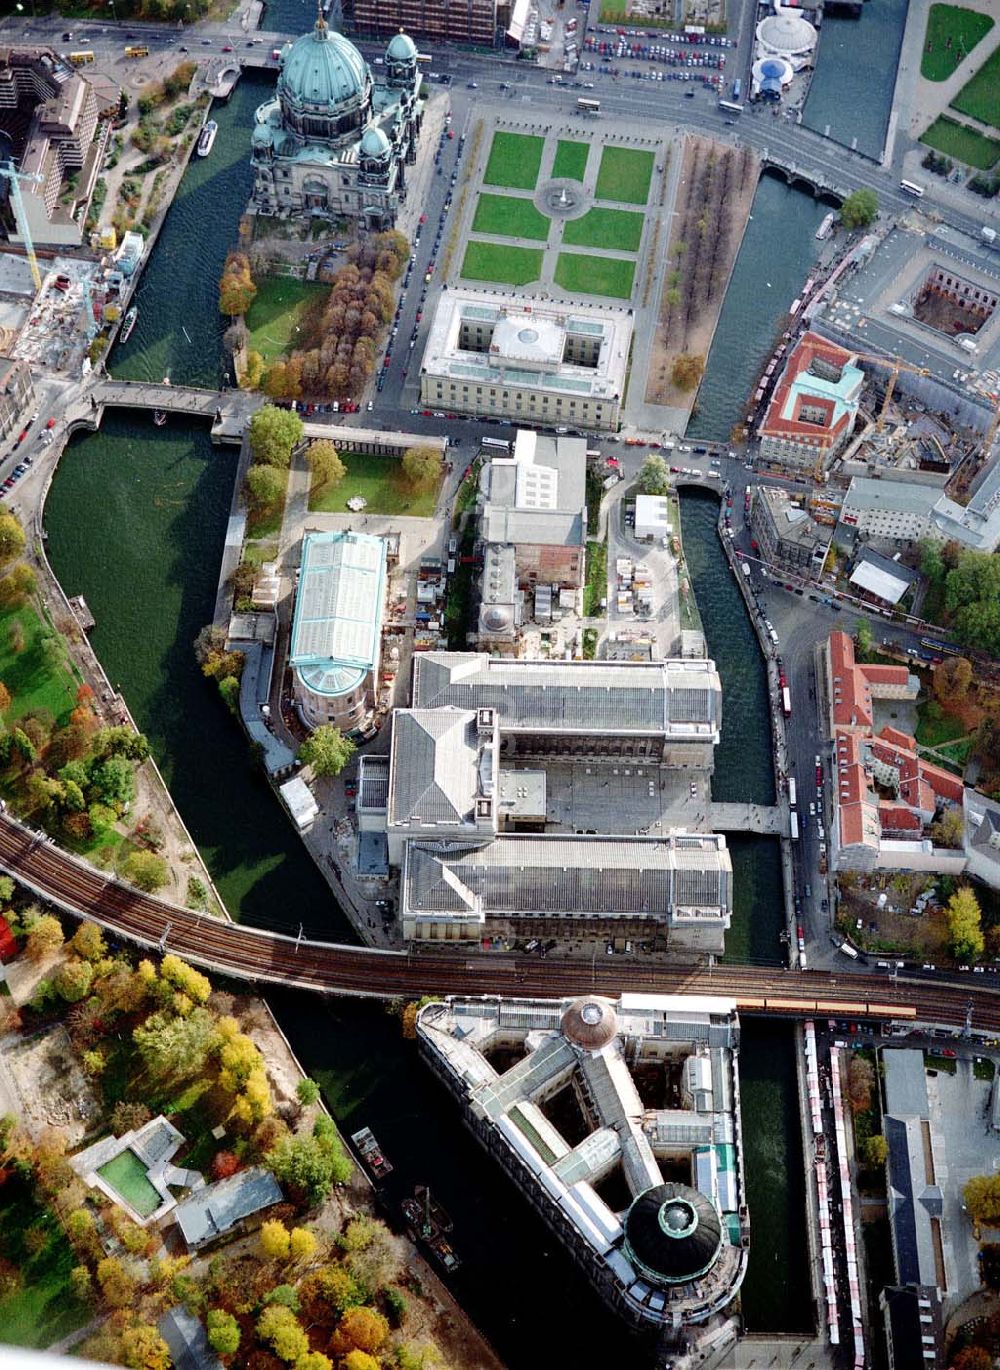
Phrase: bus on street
[140,50]
[80,59]
[912,188]
[588,106]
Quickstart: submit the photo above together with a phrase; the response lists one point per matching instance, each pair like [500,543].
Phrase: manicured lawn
[980,97]
[514,160]
[510,217]
[505,265]
[617,228]
[624,175]
[33,682]
[375,479]
[964,144]
[570,161]
[583,275]
[952,33]
[274,314]
[43,1310]
[126,1175]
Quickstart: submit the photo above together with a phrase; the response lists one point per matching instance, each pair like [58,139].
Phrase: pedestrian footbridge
[759,818]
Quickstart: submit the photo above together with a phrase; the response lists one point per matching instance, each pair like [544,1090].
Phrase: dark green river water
[136,521]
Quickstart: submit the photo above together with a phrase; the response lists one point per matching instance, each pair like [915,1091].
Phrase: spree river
[136,520]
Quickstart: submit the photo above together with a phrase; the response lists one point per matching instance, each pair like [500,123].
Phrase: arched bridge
[174,399]
[272,959]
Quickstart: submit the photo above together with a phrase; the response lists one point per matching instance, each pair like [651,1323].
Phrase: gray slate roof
[674,698]
[520,876]
[433,775]
[215,1209]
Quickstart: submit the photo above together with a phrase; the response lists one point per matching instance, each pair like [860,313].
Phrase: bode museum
[334,140]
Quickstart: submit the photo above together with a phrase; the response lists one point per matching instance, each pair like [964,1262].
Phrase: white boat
[128,324]
[206,138]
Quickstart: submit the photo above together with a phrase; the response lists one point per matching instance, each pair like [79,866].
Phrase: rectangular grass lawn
[126,1175]
[615,228]
[510,217]
[505,265]
[625,175]
[583,275]
[964,144]
[276,311]
[980,97]
[964,28]
[34,680]
[375,479]
[514,160]
[570,160]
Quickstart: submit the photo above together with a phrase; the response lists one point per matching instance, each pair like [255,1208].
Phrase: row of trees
[970,582]
[340,342]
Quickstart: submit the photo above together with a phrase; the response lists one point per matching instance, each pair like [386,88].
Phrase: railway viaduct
[268,958]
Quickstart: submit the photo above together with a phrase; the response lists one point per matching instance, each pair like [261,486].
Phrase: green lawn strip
[946,1065]
[43,1310]
[510,217]
[963,28]
[570,160]
[620,229]
[514,160]
[583,275]
[957,752]
[277,310]
[505,265]
[35,680]
[377,480]
[596,587]
[962,143]
[624,175]
[980,97]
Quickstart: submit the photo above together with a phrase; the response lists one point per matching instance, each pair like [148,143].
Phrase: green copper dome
[401,48]
[324,70]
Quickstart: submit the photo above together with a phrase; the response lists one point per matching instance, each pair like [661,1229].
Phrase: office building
[785,534]
[811,414]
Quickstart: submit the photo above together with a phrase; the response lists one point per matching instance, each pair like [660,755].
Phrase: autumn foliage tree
[952,679]
[421,467]
[687,371]
[325,465]
[341,340]
[965,930]
[860,1083]
[237,291]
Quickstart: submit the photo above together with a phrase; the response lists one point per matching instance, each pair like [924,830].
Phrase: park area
[514,160]
[276,314]
[961,143]
[378,481]
[619,229]
[503,265]
[37,1305]
[509,216]
[625,175]
[980,97]
[34,667]
[952,33]
[581,274]
[570,161]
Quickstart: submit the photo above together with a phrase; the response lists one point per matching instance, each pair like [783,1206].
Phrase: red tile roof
[810,346]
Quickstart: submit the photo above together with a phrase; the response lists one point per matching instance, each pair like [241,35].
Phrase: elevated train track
[268,958]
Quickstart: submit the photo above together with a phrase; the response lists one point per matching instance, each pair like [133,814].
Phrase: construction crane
[895,365]
[15,177]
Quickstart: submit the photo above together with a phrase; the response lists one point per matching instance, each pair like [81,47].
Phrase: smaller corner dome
[590,1023]
[401,48]
[374,143]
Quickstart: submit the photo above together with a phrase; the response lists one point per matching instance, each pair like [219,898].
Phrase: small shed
[300,802]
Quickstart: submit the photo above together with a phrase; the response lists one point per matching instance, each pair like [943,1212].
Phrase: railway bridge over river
[268,958]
